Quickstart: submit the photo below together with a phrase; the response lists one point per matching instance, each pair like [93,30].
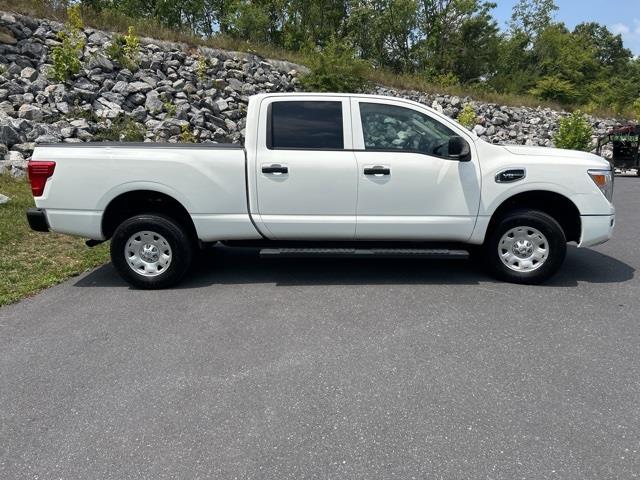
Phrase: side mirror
[459,149]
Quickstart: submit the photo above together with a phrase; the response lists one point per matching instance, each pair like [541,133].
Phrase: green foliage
[121,129]
[532,16]
[574,133]
[202,67]
[636,109]
[125,49]
[170,108]
[186,136]
[467,117]
[335,69]
[405,41]
[66,56]
[251,20]
[385,32]
[554,89]
[132,45]
[445,80]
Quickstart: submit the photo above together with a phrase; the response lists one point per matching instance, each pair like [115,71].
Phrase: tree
[385,32]
[474,50]
[532,16]
[258,20]
[313,22]
[609,48]
[450,30]
[566,60]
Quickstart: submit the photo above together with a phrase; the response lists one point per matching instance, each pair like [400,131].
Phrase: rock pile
[174,94]
[178,93]
[502,124]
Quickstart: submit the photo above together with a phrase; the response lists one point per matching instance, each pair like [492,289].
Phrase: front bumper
[37,219]
[596,229]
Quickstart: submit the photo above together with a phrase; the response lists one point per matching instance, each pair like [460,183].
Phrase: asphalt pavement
[331,368]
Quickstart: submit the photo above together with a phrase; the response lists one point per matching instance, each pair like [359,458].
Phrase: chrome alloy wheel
[523,249]
[148,253]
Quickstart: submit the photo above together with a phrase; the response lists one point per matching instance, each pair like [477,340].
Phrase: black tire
[165,228]
[545,224]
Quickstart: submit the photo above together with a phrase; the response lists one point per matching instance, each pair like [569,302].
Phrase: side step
[364,252]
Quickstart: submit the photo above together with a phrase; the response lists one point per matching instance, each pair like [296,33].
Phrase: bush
[125,49]
[555,89]
[121,129]
[467,117]
[66,57]
[335,68]
[636,109]
[203,66]
[445,80]
[170,108]
[186,136]
[574,133]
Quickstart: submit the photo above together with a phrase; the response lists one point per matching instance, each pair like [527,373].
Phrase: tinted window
[306,125]
[389,127]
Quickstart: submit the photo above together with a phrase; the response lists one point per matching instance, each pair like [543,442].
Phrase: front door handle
[275,168]
[377,170]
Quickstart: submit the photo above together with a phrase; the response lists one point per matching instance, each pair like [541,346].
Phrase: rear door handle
[377,170]
[275,168]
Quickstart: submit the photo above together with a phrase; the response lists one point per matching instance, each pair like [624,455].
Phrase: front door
[306,170]
[408,186]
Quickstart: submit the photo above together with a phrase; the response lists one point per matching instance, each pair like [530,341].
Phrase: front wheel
[151,251]
[526,246]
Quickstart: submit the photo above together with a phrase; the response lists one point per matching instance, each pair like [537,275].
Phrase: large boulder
[30,112]
[9,135]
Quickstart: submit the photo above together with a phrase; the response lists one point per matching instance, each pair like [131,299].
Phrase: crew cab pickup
[327,171]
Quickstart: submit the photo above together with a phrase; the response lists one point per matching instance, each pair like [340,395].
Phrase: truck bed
[209,180]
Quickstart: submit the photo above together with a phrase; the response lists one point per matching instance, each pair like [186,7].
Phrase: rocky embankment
[178,93]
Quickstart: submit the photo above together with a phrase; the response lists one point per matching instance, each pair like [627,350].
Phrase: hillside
[175,93]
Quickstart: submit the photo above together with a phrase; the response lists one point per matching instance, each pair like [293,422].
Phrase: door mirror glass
[459,149]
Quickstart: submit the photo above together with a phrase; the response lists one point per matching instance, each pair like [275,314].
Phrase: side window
[389,127]
[305,125]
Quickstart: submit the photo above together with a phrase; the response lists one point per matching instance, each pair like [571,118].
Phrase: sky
[621,16]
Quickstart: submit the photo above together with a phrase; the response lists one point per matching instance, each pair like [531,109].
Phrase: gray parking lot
[331,368]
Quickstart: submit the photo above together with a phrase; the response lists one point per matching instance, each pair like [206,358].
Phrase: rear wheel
[526,246]
[151,251]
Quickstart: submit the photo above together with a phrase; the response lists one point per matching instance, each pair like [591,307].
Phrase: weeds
[66,56]
[121,129]
[125,49]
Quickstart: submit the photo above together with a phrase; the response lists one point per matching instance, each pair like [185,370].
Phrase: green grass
[31,261]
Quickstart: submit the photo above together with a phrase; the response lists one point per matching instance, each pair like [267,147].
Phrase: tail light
[39,172]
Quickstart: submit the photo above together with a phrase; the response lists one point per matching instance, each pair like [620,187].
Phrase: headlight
[604,180]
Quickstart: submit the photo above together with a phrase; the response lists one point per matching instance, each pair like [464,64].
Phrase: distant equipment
[625,142]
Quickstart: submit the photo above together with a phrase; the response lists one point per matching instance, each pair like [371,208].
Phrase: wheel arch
[139,201]
[554,204]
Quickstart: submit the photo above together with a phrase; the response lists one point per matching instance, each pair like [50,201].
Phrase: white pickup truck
[327,171]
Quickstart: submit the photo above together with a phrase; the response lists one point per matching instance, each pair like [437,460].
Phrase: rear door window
[315,125]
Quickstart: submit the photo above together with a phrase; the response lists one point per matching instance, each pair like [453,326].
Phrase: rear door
[306,175]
